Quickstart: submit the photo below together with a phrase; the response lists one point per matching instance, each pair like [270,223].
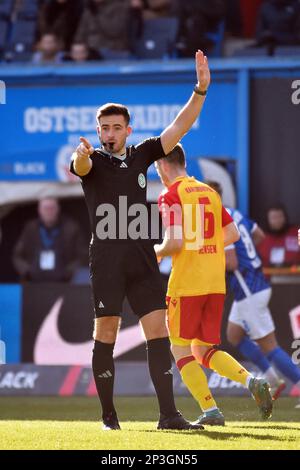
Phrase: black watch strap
[199,92]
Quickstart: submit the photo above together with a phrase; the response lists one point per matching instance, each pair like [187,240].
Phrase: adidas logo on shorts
[101,304]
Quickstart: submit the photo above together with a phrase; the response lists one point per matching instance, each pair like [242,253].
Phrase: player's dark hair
[112,109]
[177,156]
[216,186]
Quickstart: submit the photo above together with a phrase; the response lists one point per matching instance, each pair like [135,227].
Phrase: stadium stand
[217,38]
[6,7]
[22,37]
[158,39]
[28,10]
[3,33]
[287,51]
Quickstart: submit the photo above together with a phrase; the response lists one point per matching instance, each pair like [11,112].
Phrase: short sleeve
[151,150]
[226,217]
[170,207]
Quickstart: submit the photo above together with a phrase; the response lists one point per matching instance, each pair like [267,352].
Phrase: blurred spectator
[49,50]
[279,23]
[249,10]
[157,9]
[196,18]
[234,23]
[104,27]
[50,247]
[280,246]
[135,22]
[80,52]
[60,17]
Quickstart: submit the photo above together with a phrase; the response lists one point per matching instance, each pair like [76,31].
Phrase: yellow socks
[226,365]
[196,381]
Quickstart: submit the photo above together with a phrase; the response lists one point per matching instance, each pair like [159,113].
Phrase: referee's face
[113,132]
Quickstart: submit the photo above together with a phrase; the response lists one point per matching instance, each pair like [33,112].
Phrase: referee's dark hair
[112,109]
[176,156]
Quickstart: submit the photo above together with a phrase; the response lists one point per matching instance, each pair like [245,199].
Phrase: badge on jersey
[142,180]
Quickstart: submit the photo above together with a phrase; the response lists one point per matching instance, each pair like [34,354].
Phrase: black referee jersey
[111,178]
[122,266]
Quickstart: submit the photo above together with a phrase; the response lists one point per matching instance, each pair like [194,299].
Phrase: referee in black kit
[122,265]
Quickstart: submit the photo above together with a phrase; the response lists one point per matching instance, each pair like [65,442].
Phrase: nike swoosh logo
[51,349]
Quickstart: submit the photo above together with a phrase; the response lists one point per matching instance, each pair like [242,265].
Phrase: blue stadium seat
[217,37]
[28,10]
[251,52]
[22,38]
[6,7]
[18,53]
[23,32]
[287,51]
[158,38]
[3,33]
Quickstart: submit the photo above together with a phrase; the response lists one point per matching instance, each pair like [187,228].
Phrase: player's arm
[188,115]
[231,259]
[230,231]
[172,242]
[81,157]
[258,235]
[231,234]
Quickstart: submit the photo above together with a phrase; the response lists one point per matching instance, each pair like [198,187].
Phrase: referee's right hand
[84,149]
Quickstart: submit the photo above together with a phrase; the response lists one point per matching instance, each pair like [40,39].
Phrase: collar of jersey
[178,178]
[114,154]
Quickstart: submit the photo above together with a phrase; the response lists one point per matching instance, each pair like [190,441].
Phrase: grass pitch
[71,423]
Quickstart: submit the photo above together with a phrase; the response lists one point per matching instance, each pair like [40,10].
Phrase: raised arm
[81,157]
[189,113]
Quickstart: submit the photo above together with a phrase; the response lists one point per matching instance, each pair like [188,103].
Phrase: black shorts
[120,270]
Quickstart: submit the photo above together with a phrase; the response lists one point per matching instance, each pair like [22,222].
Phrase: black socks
[104,374]
[160,368]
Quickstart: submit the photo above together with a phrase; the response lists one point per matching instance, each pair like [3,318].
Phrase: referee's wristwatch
[199,92]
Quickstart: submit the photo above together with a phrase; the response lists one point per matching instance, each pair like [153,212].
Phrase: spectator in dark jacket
[60,17]
[50,247]
[196,18]
[279,23]
[104,27]
[80,52]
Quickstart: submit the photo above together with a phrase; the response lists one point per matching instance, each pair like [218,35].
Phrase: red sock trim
[184,361]
[207,357]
